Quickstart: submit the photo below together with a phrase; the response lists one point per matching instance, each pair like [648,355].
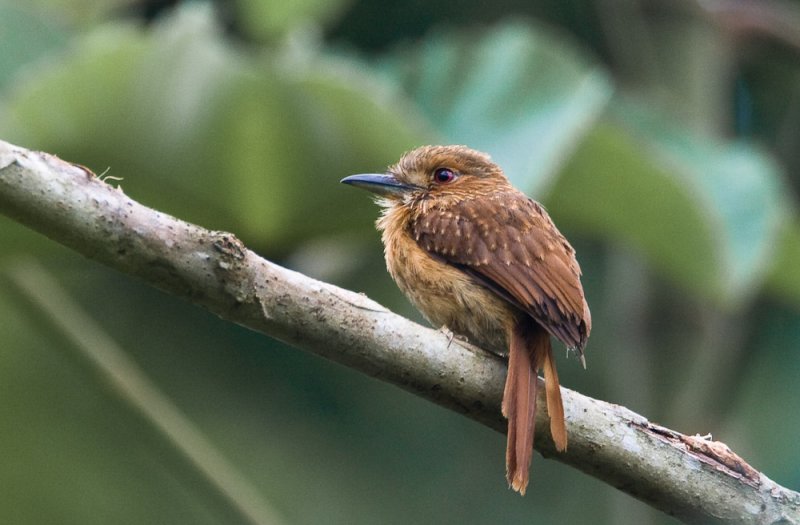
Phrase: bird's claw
[451,335]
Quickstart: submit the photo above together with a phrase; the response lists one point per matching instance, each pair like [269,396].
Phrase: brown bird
[477,256]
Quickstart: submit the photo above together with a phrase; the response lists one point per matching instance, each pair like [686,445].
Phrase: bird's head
[434,173]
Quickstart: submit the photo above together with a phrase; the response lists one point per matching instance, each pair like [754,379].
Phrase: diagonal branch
[693,479]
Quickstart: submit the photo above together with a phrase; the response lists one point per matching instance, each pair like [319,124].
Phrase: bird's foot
[452,336]
[463,341]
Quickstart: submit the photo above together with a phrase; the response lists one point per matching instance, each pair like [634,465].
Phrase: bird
[482,260]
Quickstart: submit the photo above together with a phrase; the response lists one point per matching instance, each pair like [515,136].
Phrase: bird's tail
[529,351]
[555,408]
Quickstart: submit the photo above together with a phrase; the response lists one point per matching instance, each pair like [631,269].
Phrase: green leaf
[79,13]
[292,135]
[130,102]
[738,187]
[784,275]
[523,93]
[609,188]
[265,19]
[200,130]
[706,212]
[26,36]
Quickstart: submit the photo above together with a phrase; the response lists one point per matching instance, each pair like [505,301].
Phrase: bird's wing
[509,243]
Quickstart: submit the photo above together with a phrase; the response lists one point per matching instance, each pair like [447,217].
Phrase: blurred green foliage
[244,115]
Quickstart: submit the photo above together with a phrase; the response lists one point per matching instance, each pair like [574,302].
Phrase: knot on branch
[229,246]
[715,454]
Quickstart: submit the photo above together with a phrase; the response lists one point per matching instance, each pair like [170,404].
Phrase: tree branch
[693,479]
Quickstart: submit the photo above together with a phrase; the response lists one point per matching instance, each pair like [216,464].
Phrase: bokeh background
[662,135]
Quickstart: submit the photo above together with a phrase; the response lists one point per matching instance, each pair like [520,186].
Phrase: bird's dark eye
[444,175]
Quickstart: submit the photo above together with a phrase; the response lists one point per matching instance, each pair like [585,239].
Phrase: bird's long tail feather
[555,408]
[519,405]
[529,351]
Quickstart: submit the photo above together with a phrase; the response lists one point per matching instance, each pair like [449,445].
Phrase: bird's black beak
[381,184]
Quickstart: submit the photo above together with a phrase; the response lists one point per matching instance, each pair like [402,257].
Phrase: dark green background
[663,138]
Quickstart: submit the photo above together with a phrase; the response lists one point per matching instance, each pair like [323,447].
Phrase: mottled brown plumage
[476,255]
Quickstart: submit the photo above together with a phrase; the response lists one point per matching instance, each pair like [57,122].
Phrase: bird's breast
[446,295]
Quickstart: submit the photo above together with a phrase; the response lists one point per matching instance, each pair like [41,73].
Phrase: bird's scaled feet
[463,341]
[451,335]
